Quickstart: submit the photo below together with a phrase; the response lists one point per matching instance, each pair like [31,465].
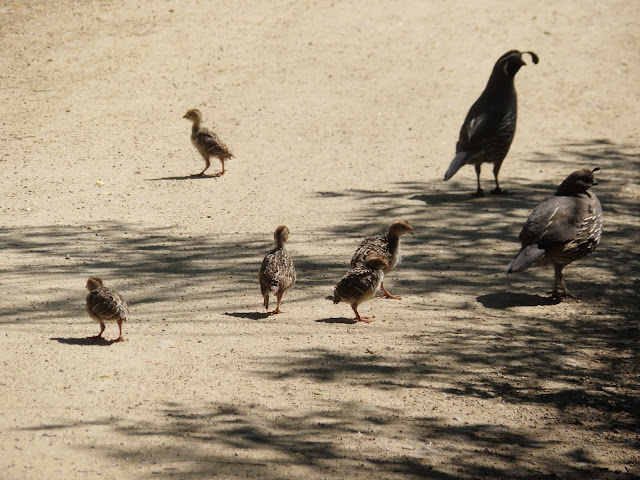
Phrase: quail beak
[411,231]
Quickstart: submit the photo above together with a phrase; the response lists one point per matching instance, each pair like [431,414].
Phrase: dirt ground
[343,117]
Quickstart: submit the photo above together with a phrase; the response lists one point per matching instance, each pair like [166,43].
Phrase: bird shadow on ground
[84,341]
[183,177]
[344,320]
[249,315]
[445,198]
[504,300]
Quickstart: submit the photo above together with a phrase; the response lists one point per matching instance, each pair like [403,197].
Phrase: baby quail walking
[105,305]
[561,229]
[277,273]
[206,142]
[488,129]
[386,246]
[360,284]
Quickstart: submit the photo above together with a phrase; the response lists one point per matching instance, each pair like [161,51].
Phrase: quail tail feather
[457,163]
[336,297]
[525,258]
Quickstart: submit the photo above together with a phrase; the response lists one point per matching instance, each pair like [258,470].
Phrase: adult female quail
[277,273]
[386,246]
[360,284]
[488,129]
[105,305]
[561,229]
[207,143]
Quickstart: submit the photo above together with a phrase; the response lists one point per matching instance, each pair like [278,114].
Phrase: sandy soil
[343,117]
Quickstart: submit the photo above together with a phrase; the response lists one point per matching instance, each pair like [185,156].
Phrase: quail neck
[577,183]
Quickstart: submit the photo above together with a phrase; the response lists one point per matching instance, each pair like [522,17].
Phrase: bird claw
[389,296]
[479,193]
[202,174]
[557,296]
[499,191]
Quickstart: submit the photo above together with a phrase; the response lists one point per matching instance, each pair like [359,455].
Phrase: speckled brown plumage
[386,246]
[562,228]
[105,305]
[207,142]
[277,273]
[360,284]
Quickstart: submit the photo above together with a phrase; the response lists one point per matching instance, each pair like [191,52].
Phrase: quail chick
[206,142]
[360,284]
[488,129]
[277,273]
[386,246]
[105,305]
[561,229]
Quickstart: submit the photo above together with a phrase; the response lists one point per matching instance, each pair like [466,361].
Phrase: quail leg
[387,294]
[205,169]
[96,337]
[360,318]
[555,294]
[567,293]
[277,310]
[120,338]
[497,190]
[221,172]
[559,280]
[479,192]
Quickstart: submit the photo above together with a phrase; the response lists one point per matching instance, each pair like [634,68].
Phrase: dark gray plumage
[206,142]
[386,246]
[562,228]
[360,284]
[277,273]
[105,305]
[488,129]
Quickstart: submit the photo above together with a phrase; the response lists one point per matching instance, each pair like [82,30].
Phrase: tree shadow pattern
[527,361]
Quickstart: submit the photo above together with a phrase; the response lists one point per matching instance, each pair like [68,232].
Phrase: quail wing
[107,305]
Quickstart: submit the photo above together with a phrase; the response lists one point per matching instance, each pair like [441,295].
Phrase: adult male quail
[206,142]
[386,246]
[277,273]
[360,284]
[561,229]
[488,129]
[105,305]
